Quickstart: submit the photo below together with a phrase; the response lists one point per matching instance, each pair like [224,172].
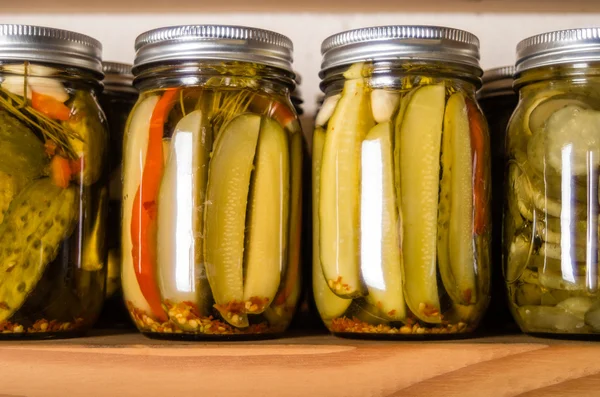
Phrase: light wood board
[132,365]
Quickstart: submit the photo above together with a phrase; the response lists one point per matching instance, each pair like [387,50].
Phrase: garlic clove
[48,86]
[15,85]
[383,104]
[327,110]
[34,70]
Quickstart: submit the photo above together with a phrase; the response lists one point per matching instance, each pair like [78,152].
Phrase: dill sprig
[50,129]
[228,104]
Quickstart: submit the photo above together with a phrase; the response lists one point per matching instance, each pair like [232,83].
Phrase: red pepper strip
[143,220]
[478,150]
[60,171]
[50,106]
[282,113]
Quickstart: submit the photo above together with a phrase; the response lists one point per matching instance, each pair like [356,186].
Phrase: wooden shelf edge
[298,366]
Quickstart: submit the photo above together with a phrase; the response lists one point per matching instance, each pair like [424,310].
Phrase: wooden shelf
[320,365]
[337,6]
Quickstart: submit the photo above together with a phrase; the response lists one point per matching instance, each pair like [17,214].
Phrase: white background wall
[499,33]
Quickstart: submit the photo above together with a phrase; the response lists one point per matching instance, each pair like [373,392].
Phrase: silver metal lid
[497,81]
[48,45]
[560,47]
[216,42]
[400,42]
[117,74]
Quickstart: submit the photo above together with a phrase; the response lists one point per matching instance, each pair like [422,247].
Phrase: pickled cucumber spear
[225,214]
[329,305]
[420,138]
[289,287]
[339,209]
[177,269]
[380,241]
[266,239]
[455,236]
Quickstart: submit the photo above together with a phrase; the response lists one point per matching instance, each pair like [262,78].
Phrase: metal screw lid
[117,75]
[432,43]
[559,47]
[48,45]
[215,42]
[497,81]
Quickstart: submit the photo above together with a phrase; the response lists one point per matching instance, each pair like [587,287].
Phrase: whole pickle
[36,223]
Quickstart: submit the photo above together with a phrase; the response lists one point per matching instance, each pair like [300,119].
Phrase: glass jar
[498,100]
[551,208]
[53,146]
[401,184]
[212,212]
[117,100]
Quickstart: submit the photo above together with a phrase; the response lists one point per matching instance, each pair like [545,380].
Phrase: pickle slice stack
[552,217]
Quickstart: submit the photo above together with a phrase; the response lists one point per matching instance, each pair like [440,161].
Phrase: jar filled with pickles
[117,100]
[53,183]
[498,101]
[401,184]
[552,200]
[212,185]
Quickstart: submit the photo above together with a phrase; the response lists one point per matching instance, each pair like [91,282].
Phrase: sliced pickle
[225,217]
[381,262]
[420,139]
[576,253]
[570,134]
[134,158]
[266,239]
[178,272]
[541,113]
[519,255]
[541,98]
[340,189]
[547,318]
[329,305]
[592,317]
[577,306]
[528,295]
[455,237]
[557,281]
[514,219]
[549,230]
